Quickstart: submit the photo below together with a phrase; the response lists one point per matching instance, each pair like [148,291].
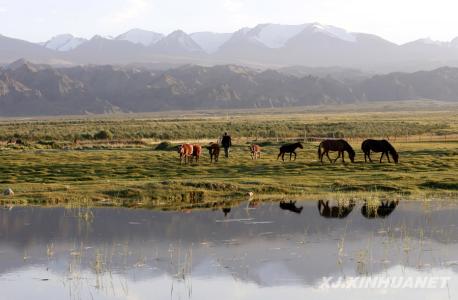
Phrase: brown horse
[255,151]
[335,212]
[196,152]
[379,146]
[185,151]
[213,150]
[335,145]
[289,148]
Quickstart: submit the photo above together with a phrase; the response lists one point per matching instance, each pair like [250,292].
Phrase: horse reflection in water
[383,210]
[226,211]
[291,206]
[339,211]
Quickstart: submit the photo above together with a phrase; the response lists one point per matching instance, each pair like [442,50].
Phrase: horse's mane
[349,147]
[390,147]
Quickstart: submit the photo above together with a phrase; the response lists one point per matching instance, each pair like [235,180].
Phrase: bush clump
[103,135]
[164,146]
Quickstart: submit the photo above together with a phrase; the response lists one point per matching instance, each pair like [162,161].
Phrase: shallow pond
[254,251]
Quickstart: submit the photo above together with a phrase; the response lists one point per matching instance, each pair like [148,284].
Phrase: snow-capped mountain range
[265,45]
[270,35]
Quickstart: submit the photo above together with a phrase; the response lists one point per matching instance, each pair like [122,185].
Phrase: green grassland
[124,169]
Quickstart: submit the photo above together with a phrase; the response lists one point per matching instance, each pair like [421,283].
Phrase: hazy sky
[395,20]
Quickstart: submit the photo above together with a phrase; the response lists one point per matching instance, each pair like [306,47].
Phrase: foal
[255,151]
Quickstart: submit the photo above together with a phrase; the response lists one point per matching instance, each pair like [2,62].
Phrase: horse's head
[300,145]
[351,154]
[180,149]
[395,156]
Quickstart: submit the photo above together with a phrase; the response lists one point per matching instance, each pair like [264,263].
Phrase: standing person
[226,142]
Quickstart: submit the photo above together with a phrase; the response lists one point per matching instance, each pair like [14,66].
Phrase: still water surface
[266,251]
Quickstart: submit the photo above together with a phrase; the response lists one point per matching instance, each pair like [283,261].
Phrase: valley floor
[49,168]
[145,178]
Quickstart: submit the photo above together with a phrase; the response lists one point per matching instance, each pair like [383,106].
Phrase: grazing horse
[383,210]
[186,152]
[291,206]
[213,150]
[379,146]
[335,145]
[335,212]
[196,152]
[255,151]
[289,148]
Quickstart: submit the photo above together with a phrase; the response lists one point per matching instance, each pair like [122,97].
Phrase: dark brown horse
[383,210]
[379,146]
[335,145]
[213,150]
[289,148]
[291,206]
[255,151]
[335,212]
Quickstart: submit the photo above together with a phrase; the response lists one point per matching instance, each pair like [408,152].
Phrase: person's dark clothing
[226,142]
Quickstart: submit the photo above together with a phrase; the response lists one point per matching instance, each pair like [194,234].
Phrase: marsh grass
[133,172]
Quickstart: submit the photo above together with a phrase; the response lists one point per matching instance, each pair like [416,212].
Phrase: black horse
[384,209]
[291,206]
[289,148]
[335,212]
[379,146]
[335,145]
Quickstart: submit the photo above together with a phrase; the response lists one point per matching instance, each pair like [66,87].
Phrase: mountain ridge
[265,45]
[27,89]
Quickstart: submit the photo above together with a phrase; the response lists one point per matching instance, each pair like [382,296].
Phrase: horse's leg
[387,156]
[290,155]
[283,156]
[383,153]
[295,155]
[343,157]
[337,158]
[279,154]
[369,155]
[327,155]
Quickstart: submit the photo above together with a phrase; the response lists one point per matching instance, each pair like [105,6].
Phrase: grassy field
[50,168]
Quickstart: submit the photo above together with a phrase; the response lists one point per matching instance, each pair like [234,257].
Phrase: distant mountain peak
[140,36]
[178,41]
[333,31]
[64,42]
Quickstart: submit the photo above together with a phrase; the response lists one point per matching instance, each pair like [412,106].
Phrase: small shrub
[103,135]
[164,146]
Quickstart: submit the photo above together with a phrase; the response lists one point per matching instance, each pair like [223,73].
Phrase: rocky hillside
[27,89]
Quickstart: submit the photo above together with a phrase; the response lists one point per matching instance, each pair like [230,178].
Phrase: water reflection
[340,210]
[291,206]
[226,210]
[381,210]
[263,252]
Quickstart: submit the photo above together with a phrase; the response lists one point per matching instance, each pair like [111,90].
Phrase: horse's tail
[319,152]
